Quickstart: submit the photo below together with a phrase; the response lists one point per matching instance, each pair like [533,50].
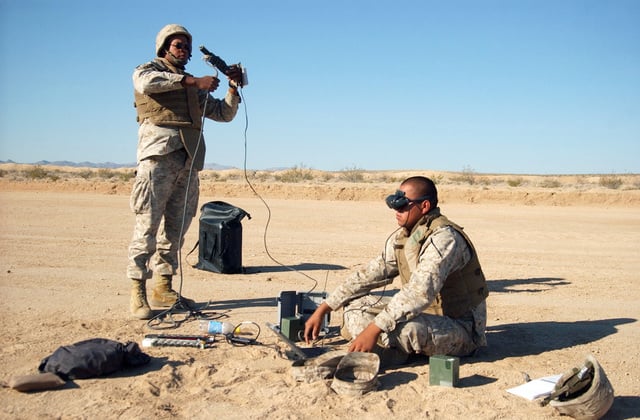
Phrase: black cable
[246,177]
[180,304]
[385,274]
[238,337]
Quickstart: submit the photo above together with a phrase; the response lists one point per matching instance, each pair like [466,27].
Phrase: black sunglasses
[181,46]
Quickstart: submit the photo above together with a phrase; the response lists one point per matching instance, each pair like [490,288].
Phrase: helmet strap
[176,61]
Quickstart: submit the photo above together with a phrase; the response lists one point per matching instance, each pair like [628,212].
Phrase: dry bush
[352,175]
[550,183]
[610,181]
[295,174]
[468,176]
[515,182]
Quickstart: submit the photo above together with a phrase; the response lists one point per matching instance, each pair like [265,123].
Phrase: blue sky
[531,87]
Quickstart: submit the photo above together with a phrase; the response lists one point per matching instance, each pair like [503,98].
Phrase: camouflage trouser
[158,200]
[426,334]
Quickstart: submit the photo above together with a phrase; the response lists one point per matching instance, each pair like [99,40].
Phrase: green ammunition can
[444,370]
[291,326]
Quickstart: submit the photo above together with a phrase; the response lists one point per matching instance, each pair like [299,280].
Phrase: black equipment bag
[93,357]
[220,238]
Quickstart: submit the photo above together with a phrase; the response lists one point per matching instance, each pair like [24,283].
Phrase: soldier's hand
[313,324]
[208,83]
[367,339]
[235,74]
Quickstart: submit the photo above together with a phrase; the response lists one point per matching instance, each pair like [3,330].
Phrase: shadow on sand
[535,284]
[531,338]
[296,267]
[525,339]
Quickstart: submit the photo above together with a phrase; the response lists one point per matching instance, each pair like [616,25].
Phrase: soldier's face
[410,214]
[179,49]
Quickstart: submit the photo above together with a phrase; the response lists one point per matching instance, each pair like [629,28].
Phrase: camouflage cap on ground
[317,368]
[356,374]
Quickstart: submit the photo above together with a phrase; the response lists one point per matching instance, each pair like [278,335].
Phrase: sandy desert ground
[562,262]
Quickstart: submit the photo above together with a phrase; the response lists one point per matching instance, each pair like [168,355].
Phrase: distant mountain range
[108,165]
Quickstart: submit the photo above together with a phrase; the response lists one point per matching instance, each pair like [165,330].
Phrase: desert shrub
[2,173]
[468,176]
[610,181]
[352,175]
[295,174]
[36,172]
[385,178]
[85,174]
[550,183]
[261,176]
[437,179]
[214,176]
[515,182]
[234,176]
[105,173]
[326,176]
[126,176]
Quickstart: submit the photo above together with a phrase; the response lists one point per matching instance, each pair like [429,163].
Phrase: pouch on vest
[220,238]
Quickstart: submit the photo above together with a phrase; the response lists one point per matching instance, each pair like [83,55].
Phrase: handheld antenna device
[221,65]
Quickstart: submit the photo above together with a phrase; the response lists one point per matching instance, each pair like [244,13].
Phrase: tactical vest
[176,108]
[463,289]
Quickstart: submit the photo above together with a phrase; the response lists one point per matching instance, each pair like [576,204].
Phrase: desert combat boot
[163,296]
[139,306]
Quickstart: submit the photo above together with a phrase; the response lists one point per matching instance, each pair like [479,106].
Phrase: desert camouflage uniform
[404,324]
[162,177]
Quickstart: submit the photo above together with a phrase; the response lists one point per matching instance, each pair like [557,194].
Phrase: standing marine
[171,105]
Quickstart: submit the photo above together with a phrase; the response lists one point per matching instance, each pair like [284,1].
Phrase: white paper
[537,388]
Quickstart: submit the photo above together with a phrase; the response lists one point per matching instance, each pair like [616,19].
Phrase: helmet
[166,32]
[584,392]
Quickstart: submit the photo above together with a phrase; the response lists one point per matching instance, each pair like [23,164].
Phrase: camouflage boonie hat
[356,374]
[318,368]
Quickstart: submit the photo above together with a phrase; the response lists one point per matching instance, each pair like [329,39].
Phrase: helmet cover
[166,32]
[583,392]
